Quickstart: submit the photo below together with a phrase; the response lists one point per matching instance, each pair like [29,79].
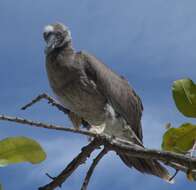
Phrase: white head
[56,36]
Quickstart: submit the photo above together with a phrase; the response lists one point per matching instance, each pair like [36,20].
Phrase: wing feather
[116,89]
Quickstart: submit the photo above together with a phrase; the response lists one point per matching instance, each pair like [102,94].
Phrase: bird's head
[56,36]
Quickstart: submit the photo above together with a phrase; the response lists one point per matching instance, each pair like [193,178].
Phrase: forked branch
[184,163]
[51,101]
[92,168]
[118,145]
[72,166]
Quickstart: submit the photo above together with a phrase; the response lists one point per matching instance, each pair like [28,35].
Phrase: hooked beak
[50,44]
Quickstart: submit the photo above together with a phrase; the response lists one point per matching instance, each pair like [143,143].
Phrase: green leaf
[179,139]
[20,149]
[1,188]
[184,94]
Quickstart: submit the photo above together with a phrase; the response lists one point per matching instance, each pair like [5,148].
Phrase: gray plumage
[94,93]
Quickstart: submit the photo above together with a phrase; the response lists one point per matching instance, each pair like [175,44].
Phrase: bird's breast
[84,99]
[77,93]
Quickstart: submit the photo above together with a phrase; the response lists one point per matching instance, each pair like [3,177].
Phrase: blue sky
[151,43]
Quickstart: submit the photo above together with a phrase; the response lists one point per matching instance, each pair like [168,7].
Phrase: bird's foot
[96,129]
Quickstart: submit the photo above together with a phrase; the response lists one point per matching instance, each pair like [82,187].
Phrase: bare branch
[92,167]
[72,166]
[179,167]
[45,125]
[177,161]
[54,103]
[174,175]
[51,101]
[140,152]
[116,144]
[37,124]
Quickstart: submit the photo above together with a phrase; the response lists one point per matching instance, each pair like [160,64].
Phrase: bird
[96,94]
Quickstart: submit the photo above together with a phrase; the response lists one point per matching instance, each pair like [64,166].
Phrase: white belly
[113,126]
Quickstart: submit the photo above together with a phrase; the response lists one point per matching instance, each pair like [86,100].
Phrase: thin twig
[49,176]
[177,161]
[118,145]
[140,152]
[45,125]
[174,175]
[51,101]
[53,178]
[179,167]
[37,124]
[180,162]
[54,103]
[92,167]
[72,166]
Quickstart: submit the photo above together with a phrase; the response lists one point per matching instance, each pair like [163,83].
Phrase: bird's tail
[148,166]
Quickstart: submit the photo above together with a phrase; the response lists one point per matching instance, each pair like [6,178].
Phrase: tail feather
[148,166]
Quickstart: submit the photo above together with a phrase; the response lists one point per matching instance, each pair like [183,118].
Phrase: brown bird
[94,93]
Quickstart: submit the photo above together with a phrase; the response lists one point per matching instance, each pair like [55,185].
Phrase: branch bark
[37,124]
[92,168]
[51,101]
[180,162]
[164,156]
[72,166]
[116,144]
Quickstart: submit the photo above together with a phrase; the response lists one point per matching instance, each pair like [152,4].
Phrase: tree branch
[116,144]
[177,161]
[140,152]
[180,167]
[44,125]
[72,166]
[39,124]
[51,101]
[92,167]
[54,103]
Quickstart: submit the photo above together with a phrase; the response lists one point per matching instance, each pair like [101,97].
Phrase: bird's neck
[67,49]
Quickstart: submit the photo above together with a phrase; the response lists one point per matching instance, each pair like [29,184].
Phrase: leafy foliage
[180,139]
[184,94]
[183,139]
[20,149]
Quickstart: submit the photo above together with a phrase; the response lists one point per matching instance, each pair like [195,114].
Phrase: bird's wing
[116,89]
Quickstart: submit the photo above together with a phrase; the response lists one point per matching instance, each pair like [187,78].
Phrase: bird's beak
[50,43]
